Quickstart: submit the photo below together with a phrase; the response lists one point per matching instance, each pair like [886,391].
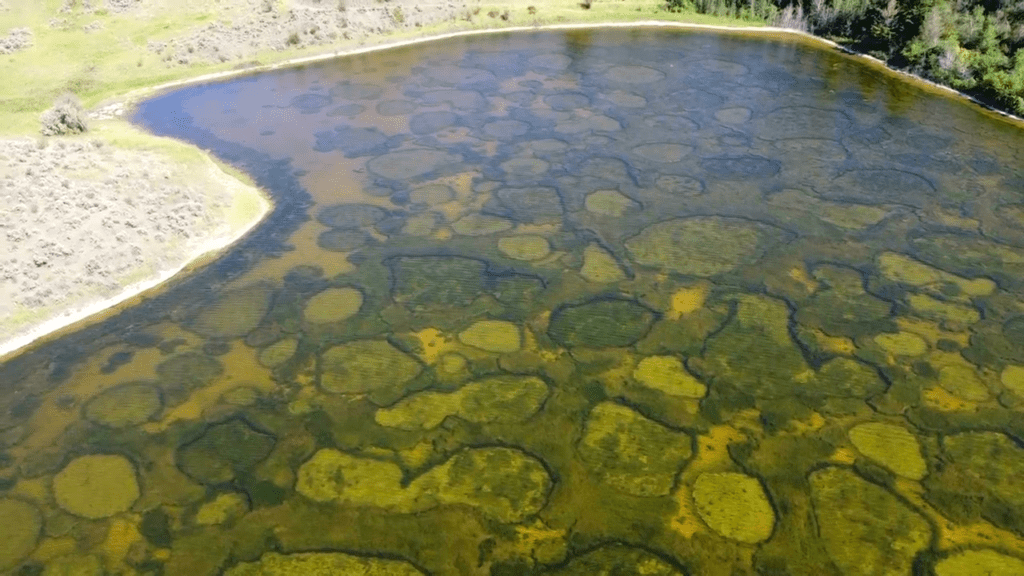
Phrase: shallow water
[589,302]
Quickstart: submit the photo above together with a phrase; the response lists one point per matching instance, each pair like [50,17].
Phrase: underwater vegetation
[561,303]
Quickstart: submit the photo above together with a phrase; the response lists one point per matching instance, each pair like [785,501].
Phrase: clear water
[595,302]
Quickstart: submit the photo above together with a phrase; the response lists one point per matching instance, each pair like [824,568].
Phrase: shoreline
[63,320]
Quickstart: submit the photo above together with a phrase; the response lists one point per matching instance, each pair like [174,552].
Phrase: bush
[66,117]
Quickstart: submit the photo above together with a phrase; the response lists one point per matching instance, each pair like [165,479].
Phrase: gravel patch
[82,219]
[17,39]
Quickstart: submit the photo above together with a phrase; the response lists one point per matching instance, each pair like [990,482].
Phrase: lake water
[590,302]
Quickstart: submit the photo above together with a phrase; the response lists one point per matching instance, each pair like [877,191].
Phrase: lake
[603,301]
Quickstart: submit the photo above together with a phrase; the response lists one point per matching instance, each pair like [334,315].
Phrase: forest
[971,45]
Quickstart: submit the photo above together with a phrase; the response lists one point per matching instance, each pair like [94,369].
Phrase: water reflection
[616,301]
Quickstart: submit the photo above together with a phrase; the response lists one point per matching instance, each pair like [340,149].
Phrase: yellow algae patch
[19,531]
[528,247]
[904,269]
[799,273]
[979,563]
[223,508]
[843,456]
[938,310]
[96,486]
[892,446]
[963,382]
[493,336]
[333,305]
[599,266]
[433,344]
[931,331]
[278,353]
[609,203]
[688,300]
[939,399]
[477,224]
[735,506]
[834,344]
[120,537]
[495,399]
[1012,378]
[667,374]
[902,344]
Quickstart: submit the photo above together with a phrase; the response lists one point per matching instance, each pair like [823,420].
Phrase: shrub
[66,117]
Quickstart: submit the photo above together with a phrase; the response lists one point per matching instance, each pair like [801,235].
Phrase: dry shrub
[66,117]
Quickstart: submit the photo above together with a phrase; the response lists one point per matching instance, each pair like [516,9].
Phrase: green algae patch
[864,528]
[610,203]
[1012,378]
[494,399]
[667,374]
[351,216]
[892,446]
[234,314]
[437,280]
[321,563]
[124,405]
[19,532]
[96,486]
[735,506]
[501,482]
[536,204]
[843,306]
[962,381]
[905,270]
[980,479]
[476,224]
[528,247]
[599,266]
[407,164]
[699,246]
[979,563]
[902,344]
[755,353]
[278,353]
[364,366]
[600,323]
[333,305]
[493,336]
[632,453]
[934,309]
[224,451]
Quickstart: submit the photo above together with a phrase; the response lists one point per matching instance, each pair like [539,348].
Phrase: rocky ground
[83,219]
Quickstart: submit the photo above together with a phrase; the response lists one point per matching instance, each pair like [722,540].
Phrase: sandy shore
[88,225]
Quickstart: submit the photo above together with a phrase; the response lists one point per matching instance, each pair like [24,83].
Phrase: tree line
[971,45]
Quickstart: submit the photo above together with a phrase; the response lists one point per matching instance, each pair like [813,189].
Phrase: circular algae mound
[333,305]
[616,559]
[408,164]
[235,313]
[634,74]
[224,451]
[610,203]
[351,215]
[365,365]
[630,452]
[699,246]
[892,446]
[528,247]
[600,324]
[278,353]
[493,336]
[667,374]
[321,563]
[734,505]
[124,405]
[865,529]
[19,531]
[96,486]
